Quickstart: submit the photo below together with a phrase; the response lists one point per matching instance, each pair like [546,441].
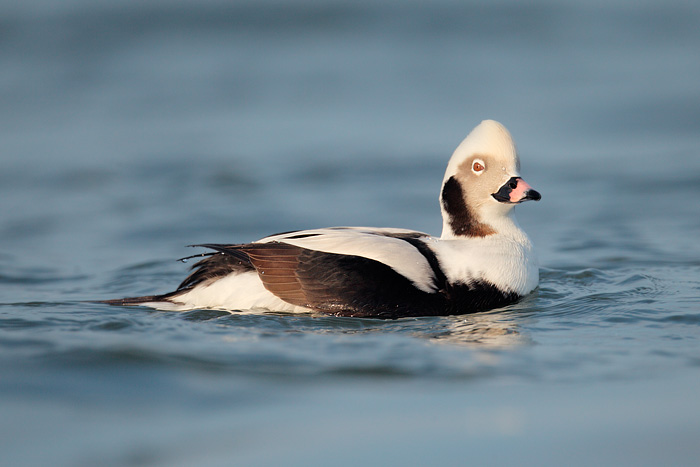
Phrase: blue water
[131,129]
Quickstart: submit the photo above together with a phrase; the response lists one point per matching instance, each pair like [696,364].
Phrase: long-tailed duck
[482,260]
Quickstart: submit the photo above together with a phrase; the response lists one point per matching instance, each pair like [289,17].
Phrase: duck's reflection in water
[492,330]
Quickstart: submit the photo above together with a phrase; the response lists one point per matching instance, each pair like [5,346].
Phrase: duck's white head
[482,184]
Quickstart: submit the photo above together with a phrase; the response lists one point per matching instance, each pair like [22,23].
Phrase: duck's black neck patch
[460,217]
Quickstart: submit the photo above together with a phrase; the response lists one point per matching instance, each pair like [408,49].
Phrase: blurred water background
[129,129]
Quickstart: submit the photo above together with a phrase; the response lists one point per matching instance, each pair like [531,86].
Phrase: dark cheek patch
[461,219]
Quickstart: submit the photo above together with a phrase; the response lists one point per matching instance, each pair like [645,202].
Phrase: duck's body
[482,260]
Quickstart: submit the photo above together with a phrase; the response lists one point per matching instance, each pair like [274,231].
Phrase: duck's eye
[478,167]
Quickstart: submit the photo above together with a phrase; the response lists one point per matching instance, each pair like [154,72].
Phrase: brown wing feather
[345,285]
[277,265]
[340,284]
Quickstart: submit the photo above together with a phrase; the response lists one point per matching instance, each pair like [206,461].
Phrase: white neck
[502,223]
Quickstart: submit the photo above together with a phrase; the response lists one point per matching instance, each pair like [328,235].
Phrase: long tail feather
[136,301]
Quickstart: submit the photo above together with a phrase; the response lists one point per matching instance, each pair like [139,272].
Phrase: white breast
[505,262]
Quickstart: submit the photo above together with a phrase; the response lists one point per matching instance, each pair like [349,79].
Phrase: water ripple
[601,296]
